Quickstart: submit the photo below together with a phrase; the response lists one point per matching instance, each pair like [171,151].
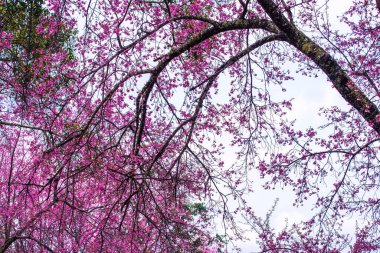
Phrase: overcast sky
[309,95]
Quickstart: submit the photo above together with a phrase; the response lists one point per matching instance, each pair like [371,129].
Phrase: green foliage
[22,18]
[219,238]
[196,208]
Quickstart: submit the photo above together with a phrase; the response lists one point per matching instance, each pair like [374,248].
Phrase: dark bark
[18,233]
[143,97]
[7,244]
[341,81]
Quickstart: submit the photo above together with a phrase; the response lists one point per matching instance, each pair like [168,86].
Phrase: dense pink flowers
[115,119]
[6,40]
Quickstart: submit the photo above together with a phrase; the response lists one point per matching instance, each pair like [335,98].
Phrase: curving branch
[143,97]
[341,81]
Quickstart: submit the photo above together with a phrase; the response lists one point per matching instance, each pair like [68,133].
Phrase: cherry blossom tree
[111,136]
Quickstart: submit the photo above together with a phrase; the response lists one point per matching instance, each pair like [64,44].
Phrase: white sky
[310,94]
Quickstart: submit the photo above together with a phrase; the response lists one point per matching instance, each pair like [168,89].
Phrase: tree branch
[341,81]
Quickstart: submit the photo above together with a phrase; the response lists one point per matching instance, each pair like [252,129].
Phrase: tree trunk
[341,81]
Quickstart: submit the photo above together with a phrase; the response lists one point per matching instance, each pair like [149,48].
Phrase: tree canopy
[113,137]
[26,23]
